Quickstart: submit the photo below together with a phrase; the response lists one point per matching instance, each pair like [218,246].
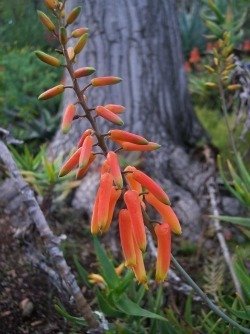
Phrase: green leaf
[244,315]
[242,221]
[107,268]
[83,274]
[77,321]
[188,309]
[107,306]
[124,283]
[127,306]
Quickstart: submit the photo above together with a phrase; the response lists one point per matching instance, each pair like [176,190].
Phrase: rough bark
[140,41]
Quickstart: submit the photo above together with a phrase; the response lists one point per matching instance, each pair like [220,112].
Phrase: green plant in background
[192,28]
[42,175]
[220,69]
[225,16]
[17,18]
[21,78]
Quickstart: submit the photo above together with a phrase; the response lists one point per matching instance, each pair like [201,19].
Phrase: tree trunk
[140,41]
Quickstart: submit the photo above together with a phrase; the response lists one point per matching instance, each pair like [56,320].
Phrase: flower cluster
[132,187]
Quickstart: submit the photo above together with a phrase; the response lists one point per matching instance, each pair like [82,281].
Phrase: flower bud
[210,84]
[126,238]
[139,268]
[133,204]
[115,108]
[83,72]
[51,4]
[115,194]
[46,21]
[127,137]
[85,151]
[82,171]
[70,164]
[83,136]
[168,215]
[73,15]
[63,36]
[105,167]
[51,92]
[163,235]
[150,146]
[53,61]
[104,191]
[115,168]
[68,117]
[79,32]
[234,87]
[81,43]
[71,53]
[133,185]
[108,115]
[94,226]
[105,81]
[151,185]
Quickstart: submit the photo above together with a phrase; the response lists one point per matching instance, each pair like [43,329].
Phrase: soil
[27,297]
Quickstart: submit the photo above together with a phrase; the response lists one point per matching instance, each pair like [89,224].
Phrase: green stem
[205,298]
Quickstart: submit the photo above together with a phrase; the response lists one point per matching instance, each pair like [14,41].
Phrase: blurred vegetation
[22,77]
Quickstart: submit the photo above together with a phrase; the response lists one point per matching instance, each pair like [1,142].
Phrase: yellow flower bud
[81,43]
[53,61]
[73,15]
[46,21]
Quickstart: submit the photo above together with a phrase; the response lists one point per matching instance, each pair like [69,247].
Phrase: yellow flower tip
[160,279]
[65,129]
[96,278]
[120,268]
[62,173]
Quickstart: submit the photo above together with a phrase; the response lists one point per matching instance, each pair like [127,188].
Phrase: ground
[26,295]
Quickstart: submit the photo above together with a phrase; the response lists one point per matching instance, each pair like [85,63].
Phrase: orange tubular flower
[115,108]
[82,171]
[126,237]
[135,147]
[125,136]
[104,199]
[105,167]
[133,185]
[85,151]
[152,186]
[132,200]
[115,168]
[68,117]
[109,115]
[166,212]
[48,94]
[139,268]
[105,81]
[94,225]
[83,72]
[163,235]
[115,194]
[70,164]
[83,136]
